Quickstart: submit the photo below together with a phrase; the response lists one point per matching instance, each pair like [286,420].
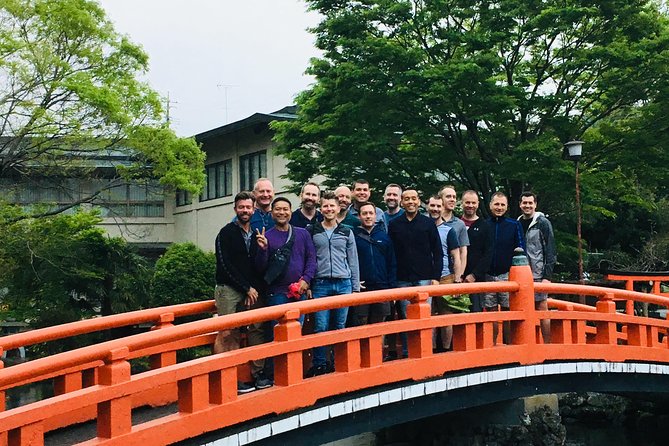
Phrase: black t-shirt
[525,223]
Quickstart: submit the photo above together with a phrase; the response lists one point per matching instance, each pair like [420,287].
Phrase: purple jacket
[302,259]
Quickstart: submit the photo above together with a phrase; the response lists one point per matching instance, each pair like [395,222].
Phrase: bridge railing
[206,387]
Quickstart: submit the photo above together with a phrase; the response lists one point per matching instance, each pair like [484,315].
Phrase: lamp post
[572,152]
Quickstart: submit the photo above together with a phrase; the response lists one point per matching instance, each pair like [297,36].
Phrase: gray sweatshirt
[336,256]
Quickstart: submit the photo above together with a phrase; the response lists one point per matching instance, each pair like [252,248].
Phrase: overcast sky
[256,51]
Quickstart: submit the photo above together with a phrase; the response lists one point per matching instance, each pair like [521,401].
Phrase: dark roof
[284,114]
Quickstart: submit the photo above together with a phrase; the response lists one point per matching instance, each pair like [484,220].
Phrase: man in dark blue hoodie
[507,235]
[376,258]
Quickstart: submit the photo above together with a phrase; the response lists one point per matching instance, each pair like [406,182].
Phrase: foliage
[185,273]
[64,268]
[71,95]
[484,94]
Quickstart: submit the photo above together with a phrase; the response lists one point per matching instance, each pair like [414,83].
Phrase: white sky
[255,50]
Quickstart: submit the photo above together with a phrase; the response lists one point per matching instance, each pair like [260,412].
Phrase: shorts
[228,300]
[491,300]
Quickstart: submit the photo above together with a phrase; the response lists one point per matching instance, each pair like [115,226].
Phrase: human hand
[304,286]
[469,278]
[251,297]
[261,239]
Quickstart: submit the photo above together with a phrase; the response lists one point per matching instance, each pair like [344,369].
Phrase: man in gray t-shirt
[449,197]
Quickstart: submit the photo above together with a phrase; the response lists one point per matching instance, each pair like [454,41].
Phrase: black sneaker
[243,388]
[329,367]
[263,382]
[391,356]
[317,370]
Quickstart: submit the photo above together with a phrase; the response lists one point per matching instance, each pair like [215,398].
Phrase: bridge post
[163,359]
[523,332]
[419,342]
[606,331]
[114,416]
[288,368]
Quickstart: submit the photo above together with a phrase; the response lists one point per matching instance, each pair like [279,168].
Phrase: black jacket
[417,248]
[479,252]
[234,263]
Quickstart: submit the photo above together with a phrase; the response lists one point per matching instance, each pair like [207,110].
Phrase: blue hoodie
[507,235]
[376,257]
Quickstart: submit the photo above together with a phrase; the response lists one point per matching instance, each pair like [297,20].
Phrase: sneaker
[329,367]
[317,370]
[391,356]
[263,382]
[243,388]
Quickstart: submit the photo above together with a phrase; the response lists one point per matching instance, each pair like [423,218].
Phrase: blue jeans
[328,319]
[402,308]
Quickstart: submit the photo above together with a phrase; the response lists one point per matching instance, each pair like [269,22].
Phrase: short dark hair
[528,193]
[328,195]
[435,197]
[278,199]
[394,185]
[367,203]
[245,195]
[360,181]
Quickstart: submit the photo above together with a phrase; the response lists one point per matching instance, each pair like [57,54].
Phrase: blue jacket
[376,257]
[507,235]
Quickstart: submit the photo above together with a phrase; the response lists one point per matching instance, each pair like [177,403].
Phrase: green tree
[64,268]
[185,273]
[71,95]
[484,94]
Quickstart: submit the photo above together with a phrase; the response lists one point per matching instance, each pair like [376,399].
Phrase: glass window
[219,181]
[252,167]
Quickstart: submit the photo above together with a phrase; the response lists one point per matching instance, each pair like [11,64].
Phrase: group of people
[340,243]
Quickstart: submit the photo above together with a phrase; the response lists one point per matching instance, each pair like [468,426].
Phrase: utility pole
[168,107]
[225,88]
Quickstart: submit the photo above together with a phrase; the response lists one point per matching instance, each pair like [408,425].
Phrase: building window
[183,198]
[252,167]
[140,199]
[219,181]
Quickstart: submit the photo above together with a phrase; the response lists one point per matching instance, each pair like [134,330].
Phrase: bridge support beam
[522,331]
[114,416]
[288,368]
[419,342]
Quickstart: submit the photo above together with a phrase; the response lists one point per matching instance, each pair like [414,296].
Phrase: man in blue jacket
[507,235]
[376,258]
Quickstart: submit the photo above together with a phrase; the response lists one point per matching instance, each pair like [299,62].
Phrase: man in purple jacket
[300,266]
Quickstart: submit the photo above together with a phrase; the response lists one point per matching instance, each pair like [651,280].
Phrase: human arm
[352,260]
[437,253]
[550,251]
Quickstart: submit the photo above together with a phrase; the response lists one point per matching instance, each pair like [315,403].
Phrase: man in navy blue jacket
[507,235]
[376,258]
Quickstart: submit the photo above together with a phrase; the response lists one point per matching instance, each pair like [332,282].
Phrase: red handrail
[206,392]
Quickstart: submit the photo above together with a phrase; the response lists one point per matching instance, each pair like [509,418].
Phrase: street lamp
[572,152]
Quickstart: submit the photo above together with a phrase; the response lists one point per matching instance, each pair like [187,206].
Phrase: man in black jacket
[237,284]
[479,253]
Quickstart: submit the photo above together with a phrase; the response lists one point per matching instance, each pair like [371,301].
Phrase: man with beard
[307,214]
[343,194]
[418,252]
[237,284]
[391,197]
[479,251]
[361,194]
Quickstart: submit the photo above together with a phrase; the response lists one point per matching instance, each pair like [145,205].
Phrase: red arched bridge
[96,383]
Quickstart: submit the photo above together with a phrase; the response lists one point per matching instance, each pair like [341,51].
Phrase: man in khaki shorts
[237,284]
